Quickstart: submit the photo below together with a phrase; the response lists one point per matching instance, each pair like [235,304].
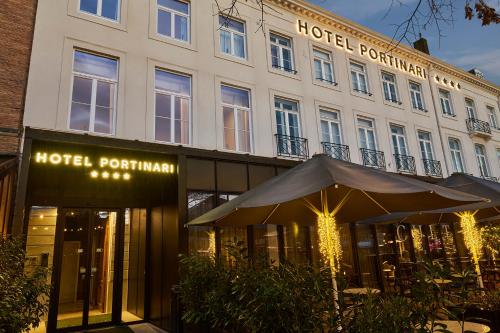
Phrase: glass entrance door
[86,248]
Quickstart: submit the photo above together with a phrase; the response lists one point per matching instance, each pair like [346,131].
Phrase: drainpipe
[437,120]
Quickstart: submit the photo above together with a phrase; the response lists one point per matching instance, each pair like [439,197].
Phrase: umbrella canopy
[459,181]
[356,191]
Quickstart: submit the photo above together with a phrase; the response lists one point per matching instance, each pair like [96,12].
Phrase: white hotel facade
[230,106]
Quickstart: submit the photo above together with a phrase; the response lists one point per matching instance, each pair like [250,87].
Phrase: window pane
[179,6]
[181,27]
[317,69]
[225,42]
[231,24]
[173,82]
[82,90]
[95,65]
[244,130]
[229,124]
[164,23]
[287,59]
[322,55]
[239,46]
[80,117]
[235,96]
[162,106]
[110,9]
[89,6]
[327,67]
[162,129]
[274,56]
[103,119]
[325,131]
[104,94]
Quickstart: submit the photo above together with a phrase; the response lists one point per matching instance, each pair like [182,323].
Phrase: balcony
[292,146]
[432,168]
[340,152]
[478,127]
[373,158]
[405,163]
[286,69]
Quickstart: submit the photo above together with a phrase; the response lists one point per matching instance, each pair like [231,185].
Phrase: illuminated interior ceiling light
[126,176]
[94,174]
[211,244]
[116,175]
[105,175]
[329,241]
[472,237]
[41,216]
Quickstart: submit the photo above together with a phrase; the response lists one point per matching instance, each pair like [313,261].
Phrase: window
[288,128]
[232,37]
[425,143]
[109,9]
[456,155]
[444,97]
[366,132]
[417,100]
[172,107]
[469,107]
[330,126]
[358,76]
[93,100]
[323,66]
[173,19]
[399,140]
[281,53]
[492,114]
[389,85]
[498,156]
[236,114]
[482,161]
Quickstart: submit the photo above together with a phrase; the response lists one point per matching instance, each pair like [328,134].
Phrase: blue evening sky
[466,44]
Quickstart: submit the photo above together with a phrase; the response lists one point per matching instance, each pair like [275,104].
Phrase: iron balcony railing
[338,151]
[286,69]
[373,158]
[405,163]
[292,146]
[476,126]
[432,168]
[366,92]
[493,179]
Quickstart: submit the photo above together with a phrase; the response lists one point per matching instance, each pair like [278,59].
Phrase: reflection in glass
[387,256]
[266,244]
[435,244]
[229,237]
[449,245]
[367,256]
[418,242]
[295,244]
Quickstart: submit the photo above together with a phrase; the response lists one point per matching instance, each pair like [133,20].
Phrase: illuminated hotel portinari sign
[373,54]
[104,166]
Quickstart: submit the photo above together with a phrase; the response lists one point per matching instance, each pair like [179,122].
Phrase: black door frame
[56,273]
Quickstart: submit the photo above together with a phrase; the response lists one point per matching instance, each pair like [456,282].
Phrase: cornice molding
[325,17]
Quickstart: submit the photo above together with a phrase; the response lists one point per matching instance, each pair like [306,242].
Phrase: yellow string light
[211,244]
[329,241]
[417,239]
[472,237]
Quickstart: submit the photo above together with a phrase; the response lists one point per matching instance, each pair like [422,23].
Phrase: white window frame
[99,10]
[356,85]
[492,115]
[482,160]
[232,33]
[172,108]
[280,53]
[95,79]
[172,20]
[413,96]
[456,155]
[386,84]
[443,99]
[470,108]
[427,145]
[324,63]
[330,121]
[235,109]
[286,112]
[367,129]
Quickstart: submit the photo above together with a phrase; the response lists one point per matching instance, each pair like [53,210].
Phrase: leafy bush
[23,295]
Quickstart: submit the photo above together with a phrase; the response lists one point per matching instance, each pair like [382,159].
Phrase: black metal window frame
[432,168]
[292,146]
[373,158]
[337,151]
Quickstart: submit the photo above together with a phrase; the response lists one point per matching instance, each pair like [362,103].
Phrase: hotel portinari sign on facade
[104,167]
[387,59]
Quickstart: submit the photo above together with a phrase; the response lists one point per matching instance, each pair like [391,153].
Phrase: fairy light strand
[329,241]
